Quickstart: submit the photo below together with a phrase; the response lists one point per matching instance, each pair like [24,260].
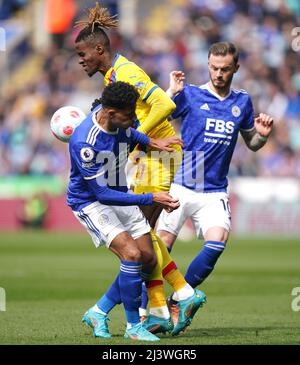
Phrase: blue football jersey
[210,126]
[98,160]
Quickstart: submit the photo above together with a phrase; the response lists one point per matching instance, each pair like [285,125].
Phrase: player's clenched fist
[166,201]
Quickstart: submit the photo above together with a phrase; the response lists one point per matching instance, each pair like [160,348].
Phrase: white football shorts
[105,222]
[206,210]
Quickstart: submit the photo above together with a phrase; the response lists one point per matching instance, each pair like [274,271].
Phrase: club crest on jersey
[139,85]
[236,111]
[103,219]
[87,154]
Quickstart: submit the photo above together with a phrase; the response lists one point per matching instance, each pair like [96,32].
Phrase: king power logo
[2,300]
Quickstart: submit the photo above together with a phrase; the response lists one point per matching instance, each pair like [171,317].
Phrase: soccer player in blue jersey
[97,194]
[212,116]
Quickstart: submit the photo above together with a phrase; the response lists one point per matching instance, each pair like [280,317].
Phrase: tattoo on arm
[253,139]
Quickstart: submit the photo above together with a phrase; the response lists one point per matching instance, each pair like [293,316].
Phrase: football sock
[169,268]
[111,298]
[95,308]
[130,283]
[155,288]
[203,264]
[161,312]
[144,297]
[143,312]
[183,293]
[157,298]
[174,276]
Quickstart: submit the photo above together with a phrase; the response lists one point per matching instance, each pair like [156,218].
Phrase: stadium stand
[270,73]
[172,34]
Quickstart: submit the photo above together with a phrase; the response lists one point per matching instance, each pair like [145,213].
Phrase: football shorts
[206,210]
[105,222]
[155,170]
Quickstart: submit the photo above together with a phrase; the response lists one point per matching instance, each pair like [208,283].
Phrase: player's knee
[223,237]
[133,254]
[167,238]
[216,234]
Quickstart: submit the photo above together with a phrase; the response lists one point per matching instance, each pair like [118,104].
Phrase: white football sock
[98,310]
[183,293]
[143,312]
[161,312]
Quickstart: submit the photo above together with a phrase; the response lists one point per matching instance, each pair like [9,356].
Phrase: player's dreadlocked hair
[98,19]
[119,95]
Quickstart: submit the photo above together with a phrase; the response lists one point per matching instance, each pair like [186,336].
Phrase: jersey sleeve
[182,103]
[248,120]
[93,167]
[138,137]
[108,196]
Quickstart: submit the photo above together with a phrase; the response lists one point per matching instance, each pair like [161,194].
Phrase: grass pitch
[50,280]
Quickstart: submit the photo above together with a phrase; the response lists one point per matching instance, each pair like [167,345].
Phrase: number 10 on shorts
[226,207]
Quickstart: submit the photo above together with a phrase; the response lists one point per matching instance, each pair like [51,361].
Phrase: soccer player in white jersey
[212,115]
[97,194]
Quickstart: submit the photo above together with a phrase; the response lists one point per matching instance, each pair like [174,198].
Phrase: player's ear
[99,49]
[111,112]
[237,66]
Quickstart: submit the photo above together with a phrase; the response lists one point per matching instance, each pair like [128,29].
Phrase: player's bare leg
[168,238]
[219,234]
[151,213]
[129,284]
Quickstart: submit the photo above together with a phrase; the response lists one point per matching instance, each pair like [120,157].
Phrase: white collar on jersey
[94,118]
[206,87]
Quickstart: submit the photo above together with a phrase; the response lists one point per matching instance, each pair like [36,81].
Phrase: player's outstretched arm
[176,83]
[165,200]
[257,137]
[158,144]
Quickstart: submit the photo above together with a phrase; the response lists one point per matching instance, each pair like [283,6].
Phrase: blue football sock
[144,297]
[203,264]
[111,298]
[130,283]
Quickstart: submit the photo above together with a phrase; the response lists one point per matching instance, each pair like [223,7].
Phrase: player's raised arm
[176,83]
[161,107]
[257,137]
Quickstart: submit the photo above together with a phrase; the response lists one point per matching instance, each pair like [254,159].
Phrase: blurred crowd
[270,72]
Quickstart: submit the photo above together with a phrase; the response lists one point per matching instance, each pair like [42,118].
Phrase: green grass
[51,279]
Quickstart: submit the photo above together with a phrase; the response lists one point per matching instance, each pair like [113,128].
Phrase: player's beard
[225,86]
